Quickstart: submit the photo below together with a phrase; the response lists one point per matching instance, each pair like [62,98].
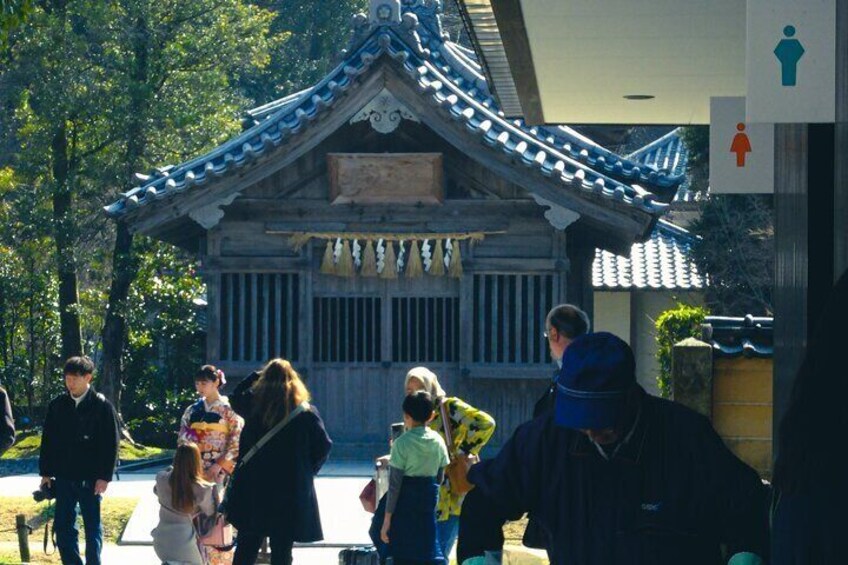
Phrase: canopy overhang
[609,61]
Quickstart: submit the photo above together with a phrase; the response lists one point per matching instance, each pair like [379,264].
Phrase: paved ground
[338,487]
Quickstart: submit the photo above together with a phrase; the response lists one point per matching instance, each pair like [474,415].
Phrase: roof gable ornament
[417,22]
[384,112]
[384,12]
[558,216]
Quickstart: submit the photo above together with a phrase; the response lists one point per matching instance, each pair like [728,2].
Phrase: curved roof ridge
[671,227]
[658,142]
[265,110]
[434,76]
[597,182]
[597,155]
[217,161]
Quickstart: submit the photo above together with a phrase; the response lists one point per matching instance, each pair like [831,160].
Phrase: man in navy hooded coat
[616,476]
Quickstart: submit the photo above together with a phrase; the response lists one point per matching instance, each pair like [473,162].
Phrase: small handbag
[457,469]
[214,531]
[368,497]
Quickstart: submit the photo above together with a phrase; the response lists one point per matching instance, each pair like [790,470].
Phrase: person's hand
[384,532]
[100,486]
[46,481]
[213,473]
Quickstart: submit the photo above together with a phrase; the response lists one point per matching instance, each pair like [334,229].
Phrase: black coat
[274,492]
[79,442]
[7,423]
[810,529]
[673,493]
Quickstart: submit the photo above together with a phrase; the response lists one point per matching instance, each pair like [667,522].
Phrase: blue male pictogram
[789,51]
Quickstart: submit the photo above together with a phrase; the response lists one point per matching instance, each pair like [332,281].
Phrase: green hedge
[672,326]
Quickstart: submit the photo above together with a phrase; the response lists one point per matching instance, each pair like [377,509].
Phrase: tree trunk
[63,230]
[114,335]
[124,261]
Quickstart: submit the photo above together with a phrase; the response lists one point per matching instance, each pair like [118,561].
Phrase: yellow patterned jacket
[470,430]
[216,429]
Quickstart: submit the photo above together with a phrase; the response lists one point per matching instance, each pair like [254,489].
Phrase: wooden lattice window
[259,315]
[425,329]
[347,329]
[509,318]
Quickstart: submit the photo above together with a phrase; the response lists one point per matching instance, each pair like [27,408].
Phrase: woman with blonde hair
[183,493]
[468,431]
[283,446]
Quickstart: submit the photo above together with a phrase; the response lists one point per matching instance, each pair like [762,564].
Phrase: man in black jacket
[619,477]
[7,423]
[79,452]
[563,324]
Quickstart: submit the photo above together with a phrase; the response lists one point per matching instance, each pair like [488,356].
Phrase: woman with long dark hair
[273,491]
[810,505]
[182,493]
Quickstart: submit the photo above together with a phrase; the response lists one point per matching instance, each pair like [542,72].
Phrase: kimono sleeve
[234,429]
[186,434]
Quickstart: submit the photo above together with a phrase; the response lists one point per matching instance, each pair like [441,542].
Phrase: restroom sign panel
[791,61]
[741,153]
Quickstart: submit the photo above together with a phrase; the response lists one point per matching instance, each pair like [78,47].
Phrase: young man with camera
[79,452]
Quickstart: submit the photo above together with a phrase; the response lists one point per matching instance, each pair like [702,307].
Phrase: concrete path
[342,517]
[338,486]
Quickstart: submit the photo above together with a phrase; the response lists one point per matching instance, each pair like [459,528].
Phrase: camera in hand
[45,492]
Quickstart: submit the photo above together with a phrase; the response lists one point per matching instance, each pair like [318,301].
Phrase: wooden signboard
[385,178]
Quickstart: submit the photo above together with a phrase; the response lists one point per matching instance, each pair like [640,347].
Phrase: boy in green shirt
[416,466]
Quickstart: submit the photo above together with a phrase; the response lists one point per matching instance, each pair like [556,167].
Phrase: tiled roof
[447,75]
[671,154]
[735,337]
[659,263]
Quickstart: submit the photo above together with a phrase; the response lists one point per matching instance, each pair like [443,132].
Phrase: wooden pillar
[840,201]
[581,255]
[692,375]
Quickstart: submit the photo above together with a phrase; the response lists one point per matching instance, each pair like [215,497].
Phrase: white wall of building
[632,316]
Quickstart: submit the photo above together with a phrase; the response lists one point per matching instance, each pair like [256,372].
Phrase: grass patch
[115,512]
[129,452]
[28,444]
[514,531]
[9,555]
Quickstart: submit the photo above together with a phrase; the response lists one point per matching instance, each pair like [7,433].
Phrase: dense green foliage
[90,93]
[672,326]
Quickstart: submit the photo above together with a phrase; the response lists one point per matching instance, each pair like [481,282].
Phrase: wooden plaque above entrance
[385,178]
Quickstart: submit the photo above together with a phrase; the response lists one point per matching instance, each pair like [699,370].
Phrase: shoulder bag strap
[446,423]
[302,407]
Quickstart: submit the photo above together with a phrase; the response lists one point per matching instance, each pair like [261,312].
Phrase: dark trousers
[69,494]
[248,544]
[480,527]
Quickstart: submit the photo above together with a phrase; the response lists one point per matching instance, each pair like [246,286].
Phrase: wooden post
[692,375]
[23,537]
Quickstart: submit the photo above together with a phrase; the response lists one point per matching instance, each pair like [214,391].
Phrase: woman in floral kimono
[214,426]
